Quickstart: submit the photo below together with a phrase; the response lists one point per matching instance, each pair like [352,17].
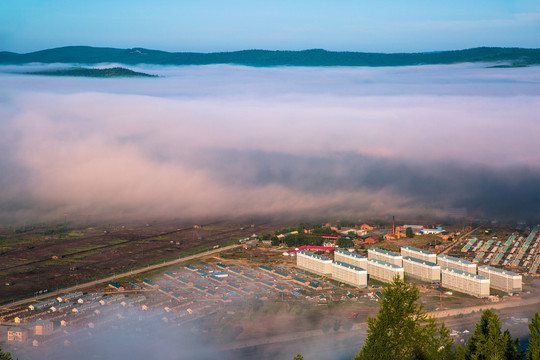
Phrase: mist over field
[230,141]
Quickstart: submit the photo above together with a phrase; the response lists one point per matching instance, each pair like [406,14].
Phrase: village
[466,269]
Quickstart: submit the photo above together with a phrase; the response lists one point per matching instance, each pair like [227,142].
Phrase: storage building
[387,256]
[422,269]
[349,274]
[456,263]
[43,327]
[43,305]
[501,279]
[70,297]
[17,334]
[314,263]
[383,271]
[465,282]
[350,258]
[418,253]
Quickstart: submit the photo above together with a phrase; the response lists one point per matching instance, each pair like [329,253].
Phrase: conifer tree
[403,330]
[487,342]
[533,352]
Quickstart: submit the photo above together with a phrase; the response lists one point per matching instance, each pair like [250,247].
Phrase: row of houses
[453,273]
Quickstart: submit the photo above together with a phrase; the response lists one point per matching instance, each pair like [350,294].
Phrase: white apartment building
[383,271]
[418,254]
[387,256]
[465,282]
[456,263]
[349,274]
[313,263]
[350,258]
[501,279]
[422,269]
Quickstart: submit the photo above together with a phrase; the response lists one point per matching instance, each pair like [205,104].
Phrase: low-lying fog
[225,141]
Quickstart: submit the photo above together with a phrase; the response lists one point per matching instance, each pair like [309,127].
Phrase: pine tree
[403,330]
[533,352]
[511,346]
[5,356]
[487,342]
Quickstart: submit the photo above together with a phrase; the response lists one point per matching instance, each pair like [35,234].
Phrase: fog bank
[228,141]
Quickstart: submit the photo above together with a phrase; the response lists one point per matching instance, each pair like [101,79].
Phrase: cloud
[227,141]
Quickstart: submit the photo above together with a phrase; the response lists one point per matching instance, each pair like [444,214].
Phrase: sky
[207,26]
[221,141]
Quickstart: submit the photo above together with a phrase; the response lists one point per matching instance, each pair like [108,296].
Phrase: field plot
[42,258]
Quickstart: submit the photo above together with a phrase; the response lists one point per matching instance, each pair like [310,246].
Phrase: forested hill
[316,57]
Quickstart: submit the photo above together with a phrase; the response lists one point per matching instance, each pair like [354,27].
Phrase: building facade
[456,263]
[350,258]
[313,263]
[501,279]
[383,271]
[418,254]
[17,334]
[422,269]
[465,282]
[387,256]
[43,327]
[349,274]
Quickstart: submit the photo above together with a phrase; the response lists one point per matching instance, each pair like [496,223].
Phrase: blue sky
[206,25]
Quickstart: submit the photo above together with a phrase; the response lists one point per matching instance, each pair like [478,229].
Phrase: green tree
[403,330]
[4,355]
[511,347]
[409,232]
[533,352]
[487,342]
[298,357]
[345,243]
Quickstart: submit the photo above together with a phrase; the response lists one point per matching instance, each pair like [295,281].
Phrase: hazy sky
[206,25]
[224,141]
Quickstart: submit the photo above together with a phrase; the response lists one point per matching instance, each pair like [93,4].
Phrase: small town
[345,271]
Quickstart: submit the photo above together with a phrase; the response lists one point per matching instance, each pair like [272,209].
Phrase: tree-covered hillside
[85,72]
[315,57]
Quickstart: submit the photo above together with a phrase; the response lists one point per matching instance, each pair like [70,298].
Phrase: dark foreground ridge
[99,73]
[315,57]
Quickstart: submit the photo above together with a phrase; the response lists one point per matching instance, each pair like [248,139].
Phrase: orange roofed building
[367,226]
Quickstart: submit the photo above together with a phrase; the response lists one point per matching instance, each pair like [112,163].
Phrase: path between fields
[117,276]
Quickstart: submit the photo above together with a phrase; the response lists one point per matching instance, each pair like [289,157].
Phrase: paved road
[507,303]
[78,287]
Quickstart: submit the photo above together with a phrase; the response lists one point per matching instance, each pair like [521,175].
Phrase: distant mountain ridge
[316,57]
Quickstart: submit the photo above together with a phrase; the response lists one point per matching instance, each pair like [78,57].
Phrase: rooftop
[418,250]
[357,268]
[348,253]
[505,272]
[318,257]
[428,263]
[384,263]
[381,251]
[451,258]
[474,276]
